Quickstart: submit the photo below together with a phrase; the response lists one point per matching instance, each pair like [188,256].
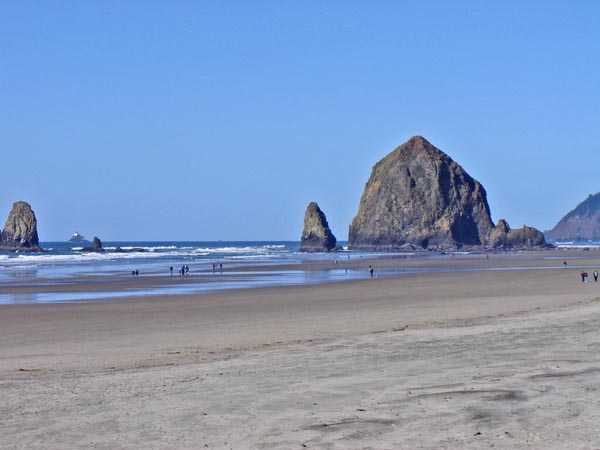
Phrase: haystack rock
[20,231]
[580,224]
[418,195]
[316,237]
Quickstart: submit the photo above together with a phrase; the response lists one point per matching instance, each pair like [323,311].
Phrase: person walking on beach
[371,270]
[595,276]
[171,269]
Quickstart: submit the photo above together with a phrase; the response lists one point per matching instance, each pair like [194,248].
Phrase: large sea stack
[316,236]
[20,231]
[581,224]
[418,196]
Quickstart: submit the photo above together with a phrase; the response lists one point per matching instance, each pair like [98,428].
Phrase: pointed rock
[499,235]
[580,224]
[95,247]
[20,231]
[316,237]
[418,195]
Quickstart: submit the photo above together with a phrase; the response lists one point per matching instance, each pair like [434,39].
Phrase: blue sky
[142,120]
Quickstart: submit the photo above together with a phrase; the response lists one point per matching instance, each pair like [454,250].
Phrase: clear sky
[208,120]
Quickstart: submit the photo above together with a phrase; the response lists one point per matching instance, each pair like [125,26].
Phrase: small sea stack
[20,231]
[316,236]
[95,247]
[524,238]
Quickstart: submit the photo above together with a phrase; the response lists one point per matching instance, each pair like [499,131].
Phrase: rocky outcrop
[20,231]
[498,237]
[316,236]
[418,195]
[95,247]
[502,237]
[580,224]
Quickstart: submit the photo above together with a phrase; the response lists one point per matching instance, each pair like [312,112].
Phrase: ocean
[64,259]
[64,263]
[50,276]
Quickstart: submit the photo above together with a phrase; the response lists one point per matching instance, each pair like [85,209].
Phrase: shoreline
[429,291]
[251,275]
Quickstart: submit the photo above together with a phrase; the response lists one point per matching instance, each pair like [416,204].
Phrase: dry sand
[453,359]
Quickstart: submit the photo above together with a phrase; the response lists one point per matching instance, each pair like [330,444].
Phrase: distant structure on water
[78,237]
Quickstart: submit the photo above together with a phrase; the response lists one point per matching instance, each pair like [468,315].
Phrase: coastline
[116,285]
[272,352]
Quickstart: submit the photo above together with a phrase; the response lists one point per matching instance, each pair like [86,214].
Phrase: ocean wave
[63,258]
[264,256]
[237,250]
[76,257]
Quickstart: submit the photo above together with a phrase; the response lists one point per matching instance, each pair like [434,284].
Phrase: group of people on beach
[184,270]
[584,276]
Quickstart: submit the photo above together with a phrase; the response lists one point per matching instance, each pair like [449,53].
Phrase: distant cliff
[20,231]
[580,224]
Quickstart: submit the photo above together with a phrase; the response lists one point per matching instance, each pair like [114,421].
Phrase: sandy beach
[473,352]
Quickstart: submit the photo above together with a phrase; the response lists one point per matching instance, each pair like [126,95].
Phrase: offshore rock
[316,236]
[580,224]
[418,195]
[80,238]
[521,238]
[20,231]
[95,247]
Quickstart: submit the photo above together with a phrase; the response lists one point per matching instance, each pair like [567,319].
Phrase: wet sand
[451,358]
